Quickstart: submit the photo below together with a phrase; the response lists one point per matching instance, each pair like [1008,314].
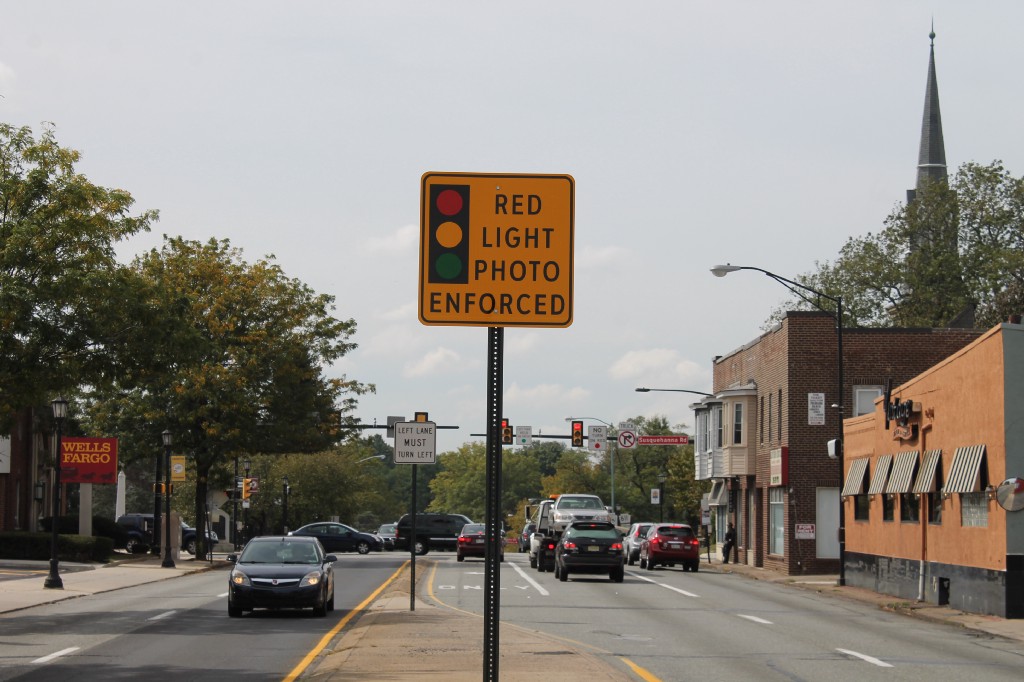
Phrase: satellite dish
[1010,494]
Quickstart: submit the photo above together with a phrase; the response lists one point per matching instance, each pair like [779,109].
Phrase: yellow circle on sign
[449,234]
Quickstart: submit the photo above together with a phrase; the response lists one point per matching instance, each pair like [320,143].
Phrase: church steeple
[931,158]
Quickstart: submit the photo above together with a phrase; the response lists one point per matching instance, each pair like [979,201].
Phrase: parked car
[670,544]
[337,537]
[139,528]
[289,572]
[524,536]
[433,531]
[632,539]
[590,547]
[386,533]
[472,541]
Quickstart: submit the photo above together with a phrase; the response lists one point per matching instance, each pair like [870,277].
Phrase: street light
[60,412]
[365,459]
[644,389]
[795,287]
[661,497]
[168,561]
[284,508]
[611,456]
[246,465]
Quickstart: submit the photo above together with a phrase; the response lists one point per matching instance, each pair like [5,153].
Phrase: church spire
[931,159]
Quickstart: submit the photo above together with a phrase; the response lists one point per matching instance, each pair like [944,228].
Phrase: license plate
[478,541]
[593,548]
[674,545]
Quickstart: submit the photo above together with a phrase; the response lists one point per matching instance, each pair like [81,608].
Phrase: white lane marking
[222,594]
[755,619]
[55,654]
[530,580]
[865,657]
[162,615]
[667,587]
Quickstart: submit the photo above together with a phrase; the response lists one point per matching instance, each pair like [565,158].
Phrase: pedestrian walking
[730,542]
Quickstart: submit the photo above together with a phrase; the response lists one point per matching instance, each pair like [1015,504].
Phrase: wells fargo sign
[88,460]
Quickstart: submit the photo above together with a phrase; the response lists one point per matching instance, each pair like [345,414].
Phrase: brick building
[763,438]
[926,515]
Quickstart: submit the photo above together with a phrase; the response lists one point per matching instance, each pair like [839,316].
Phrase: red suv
[670,544]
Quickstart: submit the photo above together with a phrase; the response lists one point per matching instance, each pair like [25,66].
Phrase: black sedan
[337,537]
[590,547]
[276,572]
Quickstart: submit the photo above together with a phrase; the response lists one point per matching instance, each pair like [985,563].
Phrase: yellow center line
[326,639]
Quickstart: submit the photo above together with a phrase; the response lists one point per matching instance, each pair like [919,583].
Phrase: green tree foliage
[233,363]
[461,482]
[66,306]
[952,248]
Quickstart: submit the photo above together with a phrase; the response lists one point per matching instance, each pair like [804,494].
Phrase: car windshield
[473,528]
[386,529]
[676,531]
[599,533]
[578,503]
[280,552]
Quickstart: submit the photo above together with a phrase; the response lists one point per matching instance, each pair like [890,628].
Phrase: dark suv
[139,528]
[433,531]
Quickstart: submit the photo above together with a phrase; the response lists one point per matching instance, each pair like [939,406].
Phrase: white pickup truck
[552,517]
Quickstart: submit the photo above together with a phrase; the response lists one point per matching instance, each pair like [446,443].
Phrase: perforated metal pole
[492,552]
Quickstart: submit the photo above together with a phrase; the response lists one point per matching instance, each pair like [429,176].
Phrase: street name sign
[664,440]
[415,442]
[496,250]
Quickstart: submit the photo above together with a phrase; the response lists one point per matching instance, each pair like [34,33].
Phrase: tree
[233,362]
[954,248]
[66,306]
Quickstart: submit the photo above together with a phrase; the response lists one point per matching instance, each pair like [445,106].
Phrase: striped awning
[902,472]
[719,495]
[963,473]
[926,481]
[881,474]
[855,477]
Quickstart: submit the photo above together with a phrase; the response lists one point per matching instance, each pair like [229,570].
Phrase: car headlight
[311,579]
[240,579]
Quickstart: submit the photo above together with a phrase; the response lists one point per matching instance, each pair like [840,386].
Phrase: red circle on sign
[449,202]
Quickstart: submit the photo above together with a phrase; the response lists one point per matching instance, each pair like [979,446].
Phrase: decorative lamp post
[661,497]
[168,561]
[797,288]
[284,508]
[60,413]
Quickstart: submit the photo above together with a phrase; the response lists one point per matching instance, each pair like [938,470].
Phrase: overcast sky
[758,133]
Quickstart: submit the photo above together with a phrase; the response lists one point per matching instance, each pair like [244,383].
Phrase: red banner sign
[88,460]
[664,440]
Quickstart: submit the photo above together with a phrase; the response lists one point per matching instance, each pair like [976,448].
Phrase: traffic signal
[506,432]
[577,434]
[158,488]
[449,234]
[246,488]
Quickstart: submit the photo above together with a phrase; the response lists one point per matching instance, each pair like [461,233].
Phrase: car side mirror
[330,559]
[232,558]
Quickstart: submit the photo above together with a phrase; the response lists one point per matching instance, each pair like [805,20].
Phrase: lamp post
[168,561]
[60,412]
[158,478]
[284,507]
[611,456]
[796,287]
[661,497]
[246,465]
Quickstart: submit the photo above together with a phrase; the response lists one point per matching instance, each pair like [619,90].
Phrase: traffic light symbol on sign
[449,234]
[577,434]
[246,488]
[506,432]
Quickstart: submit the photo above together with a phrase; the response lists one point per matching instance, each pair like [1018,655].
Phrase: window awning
[926,481]
[719,496]
[963,473]
[902,472]
[855,477]
[881,474]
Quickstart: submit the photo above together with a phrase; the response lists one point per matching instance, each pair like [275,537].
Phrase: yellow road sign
[496,250]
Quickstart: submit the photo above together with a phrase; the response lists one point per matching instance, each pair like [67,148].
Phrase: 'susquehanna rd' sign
[88,460]
[415,442]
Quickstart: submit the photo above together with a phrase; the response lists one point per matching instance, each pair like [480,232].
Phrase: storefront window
[910,508]
[777,528]
[861,507]
[935,508]
[888,507]
[974,510]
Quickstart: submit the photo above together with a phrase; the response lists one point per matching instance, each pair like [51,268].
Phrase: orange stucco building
[930,482]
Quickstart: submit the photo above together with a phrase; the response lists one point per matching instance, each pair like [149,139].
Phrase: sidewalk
[390,642]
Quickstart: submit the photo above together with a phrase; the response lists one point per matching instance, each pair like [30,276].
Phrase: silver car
[632,539]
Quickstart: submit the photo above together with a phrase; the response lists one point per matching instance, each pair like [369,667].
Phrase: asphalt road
[175,629]
[717,626]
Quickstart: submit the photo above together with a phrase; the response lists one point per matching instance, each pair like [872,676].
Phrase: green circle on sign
[449,265]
